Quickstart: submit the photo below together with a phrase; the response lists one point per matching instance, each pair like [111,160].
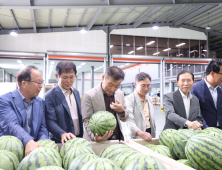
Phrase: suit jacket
[92,102]
[136,119]
[176,113]
[58,116]
[13,117]
[209,112]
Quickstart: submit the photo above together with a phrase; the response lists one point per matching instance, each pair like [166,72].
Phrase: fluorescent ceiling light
[127,64]
[127,44]
[131,52]
[155,27]
[121,66]
[156,53]
[13,33]
[52,62]
[208,28]
[22,65]
[167,49]
[139,48]
[19,61]
[180,44]
[151,42]
[83,30]
[79,66]
[204,50]
[83,64]
[111,46]
[51,65]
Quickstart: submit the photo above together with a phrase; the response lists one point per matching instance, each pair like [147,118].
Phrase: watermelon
[100,164]
[213,129]
[112,151]
[161,149]
[49,144]
[204,152]
[8,160]
[73,143]
[12,144]
[165,139]
[73,153]
[145,162]
[38,158]
[79,161]
[180,139]
[101,122]
[50,168]
[123,159]
[185,162]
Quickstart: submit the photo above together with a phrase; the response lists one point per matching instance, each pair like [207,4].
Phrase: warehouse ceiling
[42,16]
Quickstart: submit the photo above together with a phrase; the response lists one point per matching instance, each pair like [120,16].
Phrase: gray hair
[142,76]
[115,72]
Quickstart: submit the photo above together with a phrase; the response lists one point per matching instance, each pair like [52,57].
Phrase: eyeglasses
[37,82]
[219,73]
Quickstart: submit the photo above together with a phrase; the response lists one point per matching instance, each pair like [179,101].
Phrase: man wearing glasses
[63,108]
[209,93]
[22,112]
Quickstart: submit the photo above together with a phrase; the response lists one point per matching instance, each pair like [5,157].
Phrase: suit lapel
[61,97]
[192,106]
[207,93]
[179,100]
[19,105]
[219,95]
[100,97]
[35,116]
[138,103]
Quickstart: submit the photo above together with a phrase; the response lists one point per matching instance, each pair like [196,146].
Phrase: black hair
[114,72]
[65,66]
[214,66]
[142,76]
[25,74]
[184,72]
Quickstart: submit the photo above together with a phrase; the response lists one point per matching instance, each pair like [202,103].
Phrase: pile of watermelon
[200,149]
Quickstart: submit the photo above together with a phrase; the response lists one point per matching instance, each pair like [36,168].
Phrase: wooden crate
[139,145]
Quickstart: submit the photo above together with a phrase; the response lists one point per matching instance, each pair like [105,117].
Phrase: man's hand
[144,135]
[107,135]
[66,136]
[30,146]
[193,125]
[117,107]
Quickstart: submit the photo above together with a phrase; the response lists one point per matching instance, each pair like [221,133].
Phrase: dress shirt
[186,102]
[28,109]
[70,99]
[146,112]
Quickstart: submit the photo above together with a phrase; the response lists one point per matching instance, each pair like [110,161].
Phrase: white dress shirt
[186,102]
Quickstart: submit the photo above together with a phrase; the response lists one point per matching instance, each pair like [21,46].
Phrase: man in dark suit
[209,93]
[22,112]
[181,107]
[63,105]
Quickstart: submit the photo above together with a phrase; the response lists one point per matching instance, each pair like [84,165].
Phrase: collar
[24,99]
[104,93]
[209,86]
[64,90]
[184,96]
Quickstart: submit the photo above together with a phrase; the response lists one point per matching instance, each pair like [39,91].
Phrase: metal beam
[94,18]
[14,19]
[80,19]
[33,20]
[214,27]
[178,12]
[49,22]
[139,13]
[64,22]
[127,13]
[196,13]
[206,21]
[166,14]
[111,15]
[147,16]
[1,27]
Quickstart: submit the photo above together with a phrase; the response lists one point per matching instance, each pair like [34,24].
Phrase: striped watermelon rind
[8,160]
[79,161]
[101,163]
[112,151]
[185,162]
[161,149]
[50,168]
[145,162]
[101,122]
[73,153]
[39,158]
[48,143]
[73,143]
[12,144]
[204,152]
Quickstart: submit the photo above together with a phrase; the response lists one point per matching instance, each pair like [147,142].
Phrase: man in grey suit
[181,107]
[141,122]
[105,97]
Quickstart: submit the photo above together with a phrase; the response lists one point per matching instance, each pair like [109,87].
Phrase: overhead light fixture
[151,42]
[22,65]
[66,13]
[127,64]
[155,27]
[128,45]
[13,33]
[83,64]
[208,28]
[19,61]
[131,52]
[83,30]
[121,66]
[167,49]
[204,50]
[111,46]
[79,66]
[139,48]
[189,65]
[180,44]
[52,62]
[156,53]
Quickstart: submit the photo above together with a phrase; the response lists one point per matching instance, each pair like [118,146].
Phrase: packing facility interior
[157,37]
